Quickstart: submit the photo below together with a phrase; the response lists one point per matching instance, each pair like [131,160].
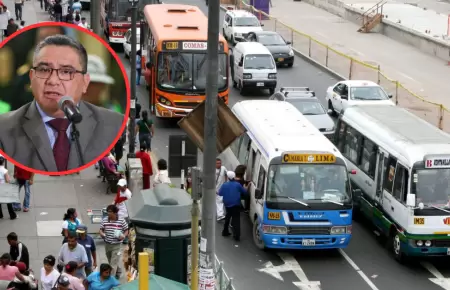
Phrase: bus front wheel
[257,238]
[395,246]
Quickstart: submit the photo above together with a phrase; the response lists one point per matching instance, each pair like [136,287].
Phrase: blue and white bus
[300,196]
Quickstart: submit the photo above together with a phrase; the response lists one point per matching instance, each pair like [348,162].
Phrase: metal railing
[348,67]
[223,282]
[367,16]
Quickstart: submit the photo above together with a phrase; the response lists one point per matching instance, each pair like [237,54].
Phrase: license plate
[274,216]
[448,251]
[310,242]
[260,84]
[281,59]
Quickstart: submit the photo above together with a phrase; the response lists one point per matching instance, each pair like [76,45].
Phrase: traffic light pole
[131,125]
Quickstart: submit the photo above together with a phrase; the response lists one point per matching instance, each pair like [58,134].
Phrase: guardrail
[223,282]
[347,67]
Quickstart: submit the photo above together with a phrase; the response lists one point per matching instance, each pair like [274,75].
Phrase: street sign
[9,193]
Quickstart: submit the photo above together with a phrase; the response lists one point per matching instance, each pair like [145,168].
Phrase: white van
[253,67]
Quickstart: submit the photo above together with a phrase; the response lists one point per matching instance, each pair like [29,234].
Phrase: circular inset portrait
[64,98]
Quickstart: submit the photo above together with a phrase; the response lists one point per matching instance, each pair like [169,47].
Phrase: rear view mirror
[329,112]
[288,42]
[344,97]
[240,63]
[262,24]
[258,193]
[411,200]
[357,192]
[390,96]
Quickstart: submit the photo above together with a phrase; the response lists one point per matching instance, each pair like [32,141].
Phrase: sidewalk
[421,73]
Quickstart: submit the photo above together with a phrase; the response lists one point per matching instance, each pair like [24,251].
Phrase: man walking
[231,192]
[113,230]
[72,251]
[221,177]
[17,250]
[89,245]
[24,179]
[18,8]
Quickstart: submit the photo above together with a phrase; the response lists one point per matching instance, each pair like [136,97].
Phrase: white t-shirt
[86,25]
[48,281]
[220,177]
[162,177]
[3,172]
[123,212]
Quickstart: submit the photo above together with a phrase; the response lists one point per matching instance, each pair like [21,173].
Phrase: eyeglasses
[64,74]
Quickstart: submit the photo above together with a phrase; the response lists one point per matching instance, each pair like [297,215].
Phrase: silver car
[305,101]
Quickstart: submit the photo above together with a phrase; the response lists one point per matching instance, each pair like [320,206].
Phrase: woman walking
[145,130]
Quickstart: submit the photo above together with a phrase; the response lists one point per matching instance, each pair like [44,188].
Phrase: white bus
[402,179]
[300,195]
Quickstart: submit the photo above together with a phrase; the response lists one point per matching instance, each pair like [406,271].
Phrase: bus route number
[172,45]
[419,221]
[274,215]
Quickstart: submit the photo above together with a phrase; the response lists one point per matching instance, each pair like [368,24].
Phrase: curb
[311,60]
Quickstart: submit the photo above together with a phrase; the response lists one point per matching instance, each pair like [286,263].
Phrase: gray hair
[63,40]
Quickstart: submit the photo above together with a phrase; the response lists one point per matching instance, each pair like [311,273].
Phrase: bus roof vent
[188,27]
[177,11]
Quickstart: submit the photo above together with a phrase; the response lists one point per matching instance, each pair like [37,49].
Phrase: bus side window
[261,178]
[352,145]
[400,183]
[369,157]
[235,146]
[340,136]
[243,149]
[389,174]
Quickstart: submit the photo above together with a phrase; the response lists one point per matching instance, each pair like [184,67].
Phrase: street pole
[95,17]
[132,122]
[207,258]
[196,194]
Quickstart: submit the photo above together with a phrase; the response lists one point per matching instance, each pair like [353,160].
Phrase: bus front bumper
[272,241]
[412,250]
[116,39]
[164,111]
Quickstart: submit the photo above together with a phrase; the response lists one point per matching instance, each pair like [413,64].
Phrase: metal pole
[95,17]
[131,125]
[196,195]
[207,258]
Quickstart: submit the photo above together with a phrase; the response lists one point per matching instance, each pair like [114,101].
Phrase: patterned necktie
[61,148]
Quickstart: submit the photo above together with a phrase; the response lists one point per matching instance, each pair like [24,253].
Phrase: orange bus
[174,47]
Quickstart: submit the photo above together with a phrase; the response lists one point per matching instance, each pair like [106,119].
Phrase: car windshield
[368,93]
[308,183]
[432,187]
[308,107]
[271,39]
[259,61]
[246,21]
[187,72]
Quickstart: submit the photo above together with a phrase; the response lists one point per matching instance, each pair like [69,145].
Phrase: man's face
[111,214]
[12,243]
[48,91]
[72,243]
[218,164]
[122,188]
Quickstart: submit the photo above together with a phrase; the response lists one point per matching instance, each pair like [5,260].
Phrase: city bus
[403,176]
[174,44]
[300,193]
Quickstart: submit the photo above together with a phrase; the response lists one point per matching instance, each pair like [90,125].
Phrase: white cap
[97,70]
[231,175]
[122,182]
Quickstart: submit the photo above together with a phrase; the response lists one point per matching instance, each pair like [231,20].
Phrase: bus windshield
[187,72]
[119,10]
[432,187]
[308,183]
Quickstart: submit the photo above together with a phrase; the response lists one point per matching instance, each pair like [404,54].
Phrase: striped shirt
[110,229]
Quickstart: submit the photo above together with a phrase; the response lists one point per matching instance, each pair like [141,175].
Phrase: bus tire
[394,245]
[241,89]
[257,240]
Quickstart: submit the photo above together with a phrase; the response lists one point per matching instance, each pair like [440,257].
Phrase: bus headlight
[164,101]
[428,244]
[341,230]
[419,243]
[277,230]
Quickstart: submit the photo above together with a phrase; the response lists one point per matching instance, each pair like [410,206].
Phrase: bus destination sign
[438,162]
[309,158]
[189,45]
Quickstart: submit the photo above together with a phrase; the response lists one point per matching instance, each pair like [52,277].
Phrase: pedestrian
[22,25]
[118,147]
[231,191]
[84,23]
[102,279]
[8,272]
[89,245]
[25,179]
[221,178]
[70,271]
[240,171]
[77,18]
[58,10]
[63,283]
[17,250]
[4,178]
[147,169]
[113,230]
[76,6]
[123,194]
[65,10]
[29,282]
[18,8]
[72,251]
[49,275]
[145,130]
[11,28]
[138,67]
[162,176]
[70,223]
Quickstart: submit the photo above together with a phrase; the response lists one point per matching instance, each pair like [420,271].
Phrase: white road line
[406,76]
[358,270]
[440,280]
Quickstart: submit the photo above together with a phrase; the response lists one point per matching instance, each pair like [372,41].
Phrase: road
[364,265]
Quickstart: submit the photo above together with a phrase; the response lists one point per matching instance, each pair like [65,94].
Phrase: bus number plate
[308,242]
[274,215]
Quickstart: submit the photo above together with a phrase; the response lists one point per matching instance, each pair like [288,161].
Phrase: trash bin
[161,218]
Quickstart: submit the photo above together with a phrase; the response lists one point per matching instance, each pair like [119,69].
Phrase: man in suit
[31,134]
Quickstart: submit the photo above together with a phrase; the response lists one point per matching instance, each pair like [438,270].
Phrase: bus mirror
[357,192]
[258,193]
[411,200]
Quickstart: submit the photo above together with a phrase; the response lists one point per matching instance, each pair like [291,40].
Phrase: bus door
[251,189]
[381,163]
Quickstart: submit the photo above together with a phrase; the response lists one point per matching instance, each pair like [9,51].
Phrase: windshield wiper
[293,199]
[329,200]
[439,208]
[308,114]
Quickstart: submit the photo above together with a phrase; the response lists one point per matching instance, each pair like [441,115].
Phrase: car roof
[265,32]
[304,98]
[360,83]
[240,13]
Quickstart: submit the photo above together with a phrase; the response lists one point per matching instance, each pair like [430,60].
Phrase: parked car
[237,24]
[127,43]
[305,101]
[356,92]
[280,49]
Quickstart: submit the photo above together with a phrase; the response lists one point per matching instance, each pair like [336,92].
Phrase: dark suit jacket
[24,138]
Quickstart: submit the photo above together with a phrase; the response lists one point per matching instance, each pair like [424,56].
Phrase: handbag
[56,283]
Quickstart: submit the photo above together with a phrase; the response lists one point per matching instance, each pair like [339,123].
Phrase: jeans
[18,11]
[147,138]
[233,214]
[138,76]
[26,198]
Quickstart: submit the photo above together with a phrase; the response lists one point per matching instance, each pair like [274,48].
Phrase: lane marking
[439,279]
[358,270]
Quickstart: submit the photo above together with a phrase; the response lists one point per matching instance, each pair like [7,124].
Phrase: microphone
[67,105]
